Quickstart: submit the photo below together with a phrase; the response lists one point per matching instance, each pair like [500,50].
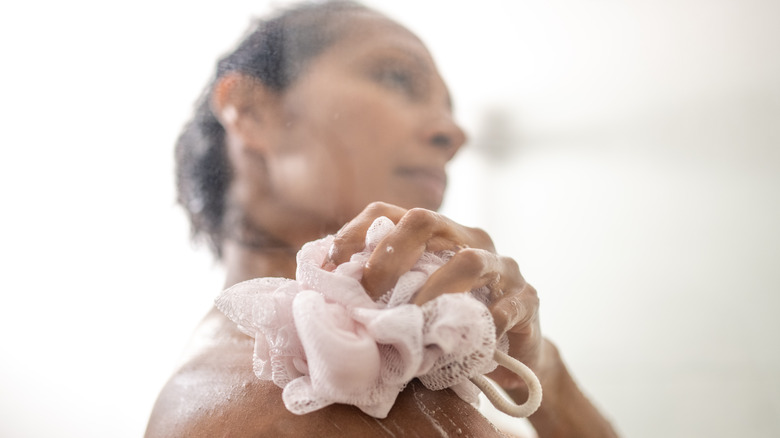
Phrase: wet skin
[217,394]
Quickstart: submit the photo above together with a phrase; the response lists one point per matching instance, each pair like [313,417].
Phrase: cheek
[356,143]
[355,149]
[366,120]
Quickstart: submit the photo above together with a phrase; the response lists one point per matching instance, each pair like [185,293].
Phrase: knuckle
[511,271]
[531,292]
[510,264]
[419,218]
[377,207]
[482,238]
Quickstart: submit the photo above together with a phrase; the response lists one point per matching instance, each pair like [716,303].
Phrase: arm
[565,411]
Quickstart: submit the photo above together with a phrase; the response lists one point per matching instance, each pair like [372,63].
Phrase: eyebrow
[420,63]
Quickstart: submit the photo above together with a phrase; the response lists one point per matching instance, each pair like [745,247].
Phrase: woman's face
[369,120]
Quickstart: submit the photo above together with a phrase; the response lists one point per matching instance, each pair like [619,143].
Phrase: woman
[320,113]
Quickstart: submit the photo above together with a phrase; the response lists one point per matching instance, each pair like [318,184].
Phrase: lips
[428,179]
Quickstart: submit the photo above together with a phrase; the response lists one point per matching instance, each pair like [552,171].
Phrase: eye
[398,78]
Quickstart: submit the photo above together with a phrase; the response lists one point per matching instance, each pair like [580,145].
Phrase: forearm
[565,411]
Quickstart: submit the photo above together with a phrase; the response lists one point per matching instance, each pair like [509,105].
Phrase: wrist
[565,411]
[548,368]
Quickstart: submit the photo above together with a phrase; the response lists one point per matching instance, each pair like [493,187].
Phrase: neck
[244,262]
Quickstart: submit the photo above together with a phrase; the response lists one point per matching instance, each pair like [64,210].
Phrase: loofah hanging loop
[499,400]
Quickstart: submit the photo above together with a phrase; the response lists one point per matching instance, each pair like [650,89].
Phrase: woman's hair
[275,51]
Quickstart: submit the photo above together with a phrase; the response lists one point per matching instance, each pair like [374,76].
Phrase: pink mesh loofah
[324,340]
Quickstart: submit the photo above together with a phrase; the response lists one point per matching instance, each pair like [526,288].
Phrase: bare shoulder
[215,393]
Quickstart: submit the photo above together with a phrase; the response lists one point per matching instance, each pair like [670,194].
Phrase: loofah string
[502,403]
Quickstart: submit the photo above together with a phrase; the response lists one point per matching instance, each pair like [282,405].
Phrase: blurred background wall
[626,153]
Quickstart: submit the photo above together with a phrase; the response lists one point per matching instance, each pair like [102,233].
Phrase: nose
[445,134]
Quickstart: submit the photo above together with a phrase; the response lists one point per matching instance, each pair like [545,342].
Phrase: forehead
[367,39]
[365,32]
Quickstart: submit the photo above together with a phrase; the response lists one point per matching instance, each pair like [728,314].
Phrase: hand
[513,302]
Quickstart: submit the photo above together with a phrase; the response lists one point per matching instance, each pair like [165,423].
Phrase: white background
[626,153]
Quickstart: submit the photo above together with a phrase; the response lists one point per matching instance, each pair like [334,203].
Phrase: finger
[469,269]
[516,311]
[419,230]
[352,237]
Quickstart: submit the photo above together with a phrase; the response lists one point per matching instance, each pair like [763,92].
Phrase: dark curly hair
[275,51]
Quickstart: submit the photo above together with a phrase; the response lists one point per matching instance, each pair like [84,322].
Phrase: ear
[246,108]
